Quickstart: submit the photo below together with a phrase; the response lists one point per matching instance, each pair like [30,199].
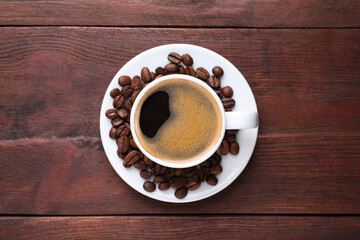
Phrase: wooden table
[301,59]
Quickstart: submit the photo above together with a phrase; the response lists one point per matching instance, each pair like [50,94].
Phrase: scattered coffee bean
[136,83]
[187,59]
[181,193]
[159,169]
[215,170]
[149,186]
[118,101]
[206,163]
[120,154]
[228,102]
[190,172]
[193,184]
[152,76]
[178,182]
[111,113]
[126,165]
[169,173]
[124,80]
[202,173]
[214,82]
[116,122]
[128,105]
[133,144]
[191,71]
[145,174]
[218,71]
[112,133]
[123,144]
[171,67]
[159,76]
[114,92]
[140,165]
[132,157]
[174,57]
[224,147]
[211,180]
[227,91]
[234,148]
[228,110]
[159,71]
[164,186]
[186,71]
[215,159]
[126,91]
[178,172]
[230,137]
[122,131]
[231,132]
[145,75]
[159,179]
[134,96]
[181,70]
[123,113]
[147,160]
[202,73]
[218,91]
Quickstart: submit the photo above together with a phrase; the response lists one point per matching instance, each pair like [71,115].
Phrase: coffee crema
[178,121]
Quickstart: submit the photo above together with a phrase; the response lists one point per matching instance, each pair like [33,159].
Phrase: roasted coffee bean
[190,172]
[128,105]
[112,133]
[145,74]
[215,159]
[114,92]
[159,71]
[178,182]
[181,193]
[181,70]
[171,67]
[202,173]
[118,101]
[202,73]
[224,147]
[147,160]
[214,82]
[134,96]
[220,96]
[140,165]
[191,71]
[149,186]
[159,179]
[123,113]
[136,83]
[124,80]
[234,148]
[132,157]
[174,57]
[227,91]
[123,144]
[218,91]
[193,184]
[159,169]
[126,165]
[231,132]
[218,71]
[145,174]
[228,102]
[169,173]
[126,91]
[215,170]
[187,59]
[128,119]
[230,137]
[152,76]
[186,71]
[116,122]
[178,172]
[159,76]
[164,186]
[120,154]
[211,180]
[122,131]
[133,144]
[206,163]
[111,113]
[228,110]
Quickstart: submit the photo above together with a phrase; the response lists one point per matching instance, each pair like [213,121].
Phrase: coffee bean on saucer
[118,101]
[187,59]
[140,165]
[123,113]
[159,169]
[227,91]
[206,163]
[178,172]
[228,102]
[191,71]
[181,70]
[186,71]
[132,157]
[202,173]
[124,80]
[111,113]
[178,182]
[126,165]
[112,133]
[164,186]
[126,91]
[145,174]
[133,144]
[215,159]
[120,154]
[174,57]
[159,76]
[134,96]
[122,130]
[214,82]
[147,160]
[136,83]
[169,173]
[202,73]
[211,180]
[181,193]
[159,71]
[193,184]
[128,105]
[218,71]
[145,74]
[218,91]
[190,172]
[159,179]
[114,92]
[215,170]
[234,148]
[224,148]
[171,67]
[228,110]
[123,144]
[152,76]
[231,131]
[116,122]
[230,137]
[149,186]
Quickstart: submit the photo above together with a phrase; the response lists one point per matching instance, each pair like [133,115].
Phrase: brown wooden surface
[233,13]
[170,227]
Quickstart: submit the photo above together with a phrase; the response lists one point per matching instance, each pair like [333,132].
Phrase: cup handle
[241,120]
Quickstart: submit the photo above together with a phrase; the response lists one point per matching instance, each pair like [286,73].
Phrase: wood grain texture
[245,13]
[52,80]
[287,174]
[206,227]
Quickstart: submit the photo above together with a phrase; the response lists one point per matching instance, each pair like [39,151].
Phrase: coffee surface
[184,121]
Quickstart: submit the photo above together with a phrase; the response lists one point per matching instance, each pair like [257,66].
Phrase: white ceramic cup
[230,120]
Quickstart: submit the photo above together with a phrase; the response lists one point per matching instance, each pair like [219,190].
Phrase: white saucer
[245,101]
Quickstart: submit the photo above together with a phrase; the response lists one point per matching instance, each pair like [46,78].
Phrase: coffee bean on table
[181,70]
[228,102]
[202,73]
[193,184]
[134,96]
[159,179]
[112,133]
[215,170]
[126,91]
[187,59]
[132,157]
[234,148]
[145,174]
[124,80]
[122,130]
[227,91]
[211,180]
[159,71]
[164,186]
[133,144]
[114,92]
[174,57]
[178,182]
[181,193]
[123,144]
[111,113]
[123,113]
[140,165]
[118,101]
[191,71]
[218,71]
[136,83]
[202,173]
[145,74]
[149,186]
[116,122]
[214,82]
[171,67]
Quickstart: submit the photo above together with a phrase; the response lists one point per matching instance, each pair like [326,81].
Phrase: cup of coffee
[178,121]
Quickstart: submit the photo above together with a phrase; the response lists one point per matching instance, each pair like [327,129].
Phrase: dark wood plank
[248,13]
[287,174]
[172,227]
[52,80]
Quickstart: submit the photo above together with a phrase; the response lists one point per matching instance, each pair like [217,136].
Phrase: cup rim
[187,78]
